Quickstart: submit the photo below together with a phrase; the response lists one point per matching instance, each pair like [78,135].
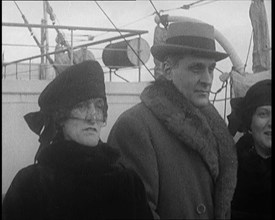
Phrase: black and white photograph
[146,109]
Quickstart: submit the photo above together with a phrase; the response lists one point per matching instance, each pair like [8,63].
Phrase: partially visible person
[252,116]
[174,138]
[75,175]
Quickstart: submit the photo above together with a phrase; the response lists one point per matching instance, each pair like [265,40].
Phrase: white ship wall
[19,97]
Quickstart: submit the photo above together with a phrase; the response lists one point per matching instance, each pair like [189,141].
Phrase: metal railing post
[72,50]
[16,71]
[30,69]
[139,68]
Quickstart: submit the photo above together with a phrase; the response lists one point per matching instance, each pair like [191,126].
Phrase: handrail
[72,27]
[64,50]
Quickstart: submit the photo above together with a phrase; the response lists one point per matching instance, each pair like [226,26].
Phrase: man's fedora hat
[188,38]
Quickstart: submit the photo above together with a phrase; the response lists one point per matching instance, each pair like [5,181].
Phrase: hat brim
[161,51]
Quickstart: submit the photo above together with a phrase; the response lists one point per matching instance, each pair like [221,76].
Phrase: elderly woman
[252,116]
[75,175]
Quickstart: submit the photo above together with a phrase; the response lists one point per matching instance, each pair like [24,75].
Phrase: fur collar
[203,130]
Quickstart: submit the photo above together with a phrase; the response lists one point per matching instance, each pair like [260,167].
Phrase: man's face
[193,77]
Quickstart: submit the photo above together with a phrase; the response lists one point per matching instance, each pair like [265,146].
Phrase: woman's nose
[91,112]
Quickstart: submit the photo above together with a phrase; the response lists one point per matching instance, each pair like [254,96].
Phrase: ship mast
[44,43]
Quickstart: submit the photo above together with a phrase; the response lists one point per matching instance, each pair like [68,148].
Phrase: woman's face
[261,129]
[85,122]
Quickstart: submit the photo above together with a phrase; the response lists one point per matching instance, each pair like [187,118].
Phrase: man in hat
[175,139]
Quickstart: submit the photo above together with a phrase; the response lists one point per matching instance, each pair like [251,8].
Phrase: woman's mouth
[90,129]
[268,133]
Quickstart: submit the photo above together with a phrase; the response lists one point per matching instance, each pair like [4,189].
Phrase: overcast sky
[230,17]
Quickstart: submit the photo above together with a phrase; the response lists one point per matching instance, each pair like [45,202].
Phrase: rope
[60,34]
[34,37]
[225,97]
[125,39]
[126,24]
[219,70]
[189,5]
[231,87]
[248,50]
[218,91]
[204,3]
[162,21]
[120,76]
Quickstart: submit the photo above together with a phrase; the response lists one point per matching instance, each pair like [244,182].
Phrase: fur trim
[203,130]
[76,157]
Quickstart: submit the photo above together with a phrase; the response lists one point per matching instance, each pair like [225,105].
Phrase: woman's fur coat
[72,181]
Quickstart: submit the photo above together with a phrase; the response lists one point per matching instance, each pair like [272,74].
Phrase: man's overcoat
[185,156]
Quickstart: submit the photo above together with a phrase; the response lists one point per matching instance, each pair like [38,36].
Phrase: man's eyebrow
[202,64]
[197,64]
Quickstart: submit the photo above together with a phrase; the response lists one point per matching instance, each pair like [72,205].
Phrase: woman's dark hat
[243,108]
[76,84]
[188,38]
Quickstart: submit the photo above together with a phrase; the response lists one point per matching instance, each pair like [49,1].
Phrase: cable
[34,37]
[225,97]
[120,76]
[125,40]
[251,37]
[204,3]
[162,21]
[60,34]
[219,70]
[190,5]
[127,24]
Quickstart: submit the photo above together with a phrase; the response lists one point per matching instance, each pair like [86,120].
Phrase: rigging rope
[125,39]
[186,7]
[162,21]
[34,37]
[120,76]
[225,97]
[205,3]
[248,50]
[60,35]
[189,5]
[127,24]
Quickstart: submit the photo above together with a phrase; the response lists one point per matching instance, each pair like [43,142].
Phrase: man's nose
[207,77]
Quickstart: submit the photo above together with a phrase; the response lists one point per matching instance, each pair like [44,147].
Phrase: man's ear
[167,69]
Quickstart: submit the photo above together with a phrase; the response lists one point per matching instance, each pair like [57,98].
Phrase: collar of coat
[249,160]
[69,155]
[203,130]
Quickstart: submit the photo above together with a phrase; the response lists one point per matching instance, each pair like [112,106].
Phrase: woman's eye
[262,114]
[80,106]
[99,104]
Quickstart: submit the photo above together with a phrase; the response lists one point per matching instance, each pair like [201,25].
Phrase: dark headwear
[188,38]
[77,83]
[243,108]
